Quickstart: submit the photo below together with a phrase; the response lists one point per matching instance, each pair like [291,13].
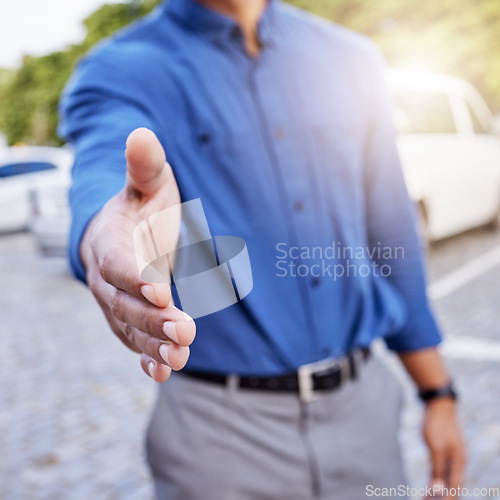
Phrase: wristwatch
[447,391]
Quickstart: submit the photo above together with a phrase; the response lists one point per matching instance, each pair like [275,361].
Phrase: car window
[23,168]
[420,112]
[476,123]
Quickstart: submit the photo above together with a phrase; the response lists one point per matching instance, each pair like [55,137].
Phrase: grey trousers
[212,442]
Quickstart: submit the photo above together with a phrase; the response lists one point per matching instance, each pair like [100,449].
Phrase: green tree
[29,96]
[456,37]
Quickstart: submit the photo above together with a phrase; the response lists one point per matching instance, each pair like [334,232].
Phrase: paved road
[74,403]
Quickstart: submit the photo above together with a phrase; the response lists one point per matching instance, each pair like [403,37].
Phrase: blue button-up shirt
[293,151]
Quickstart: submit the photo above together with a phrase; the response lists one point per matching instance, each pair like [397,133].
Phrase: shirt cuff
[421,332]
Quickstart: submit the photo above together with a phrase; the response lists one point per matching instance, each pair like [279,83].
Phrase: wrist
[445,392]
[440,405]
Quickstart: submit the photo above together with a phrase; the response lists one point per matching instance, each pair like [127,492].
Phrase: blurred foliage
[29,95]
[456,37]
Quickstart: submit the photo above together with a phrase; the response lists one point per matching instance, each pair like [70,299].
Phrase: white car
[449,144]
[25,171]
[51,217]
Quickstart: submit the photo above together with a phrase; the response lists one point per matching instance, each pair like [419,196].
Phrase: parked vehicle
[449,143]
[25,172]
[51,219]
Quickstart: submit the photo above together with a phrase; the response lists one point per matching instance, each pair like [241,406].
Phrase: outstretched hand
[142,315]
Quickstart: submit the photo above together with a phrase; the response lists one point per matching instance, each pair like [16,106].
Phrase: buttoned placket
[290,190]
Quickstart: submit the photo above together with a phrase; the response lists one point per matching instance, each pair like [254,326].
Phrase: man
[279,123]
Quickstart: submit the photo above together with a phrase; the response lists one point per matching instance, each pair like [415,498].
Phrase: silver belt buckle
[305,374]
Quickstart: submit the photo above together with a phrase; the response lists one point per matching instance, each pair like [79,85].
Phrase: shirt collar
[217,26]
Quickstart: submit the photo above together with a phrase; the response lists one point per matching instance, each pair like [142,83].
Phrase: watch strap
[447,391]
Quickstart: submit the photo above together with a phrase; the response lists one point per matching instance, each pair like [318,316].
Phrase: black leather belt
[308,380]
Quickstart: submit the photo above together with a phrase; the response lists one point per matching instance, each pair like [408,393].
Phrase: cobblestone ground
[74,403]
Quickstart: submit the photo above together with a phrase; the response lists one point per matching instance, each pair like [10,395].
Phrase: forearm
[428,371]
[426,368]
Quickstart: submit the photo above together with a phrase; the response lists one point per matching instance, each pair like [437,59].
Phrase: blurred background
[74,403]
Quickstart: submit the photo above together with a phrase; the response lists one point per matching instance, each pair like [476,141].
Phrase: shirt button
[279,133]
[299,206]
[315,281]
[204,138]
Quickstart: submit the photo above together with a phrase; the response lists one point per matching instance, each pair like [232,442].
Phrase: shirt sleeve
[98,110]
[391,220]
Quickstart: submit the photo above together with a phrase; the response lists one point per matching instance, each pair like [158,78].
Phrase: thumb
[146,162]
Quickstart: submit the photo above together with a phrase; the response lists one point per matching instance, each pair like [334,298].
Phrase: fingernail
[164,353]
[151,366]
[149,294]
[170,331]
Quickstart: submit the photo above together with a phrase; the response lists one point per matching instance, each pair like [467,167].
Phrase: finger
[106,277]
[160,351]
[437,489]
[438,454]
[101,291]
[456,466]
[147,169]
[121,331]
[164,352]
[120,308]
[118,267]
[159,294]
[158,372]
[167,323]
